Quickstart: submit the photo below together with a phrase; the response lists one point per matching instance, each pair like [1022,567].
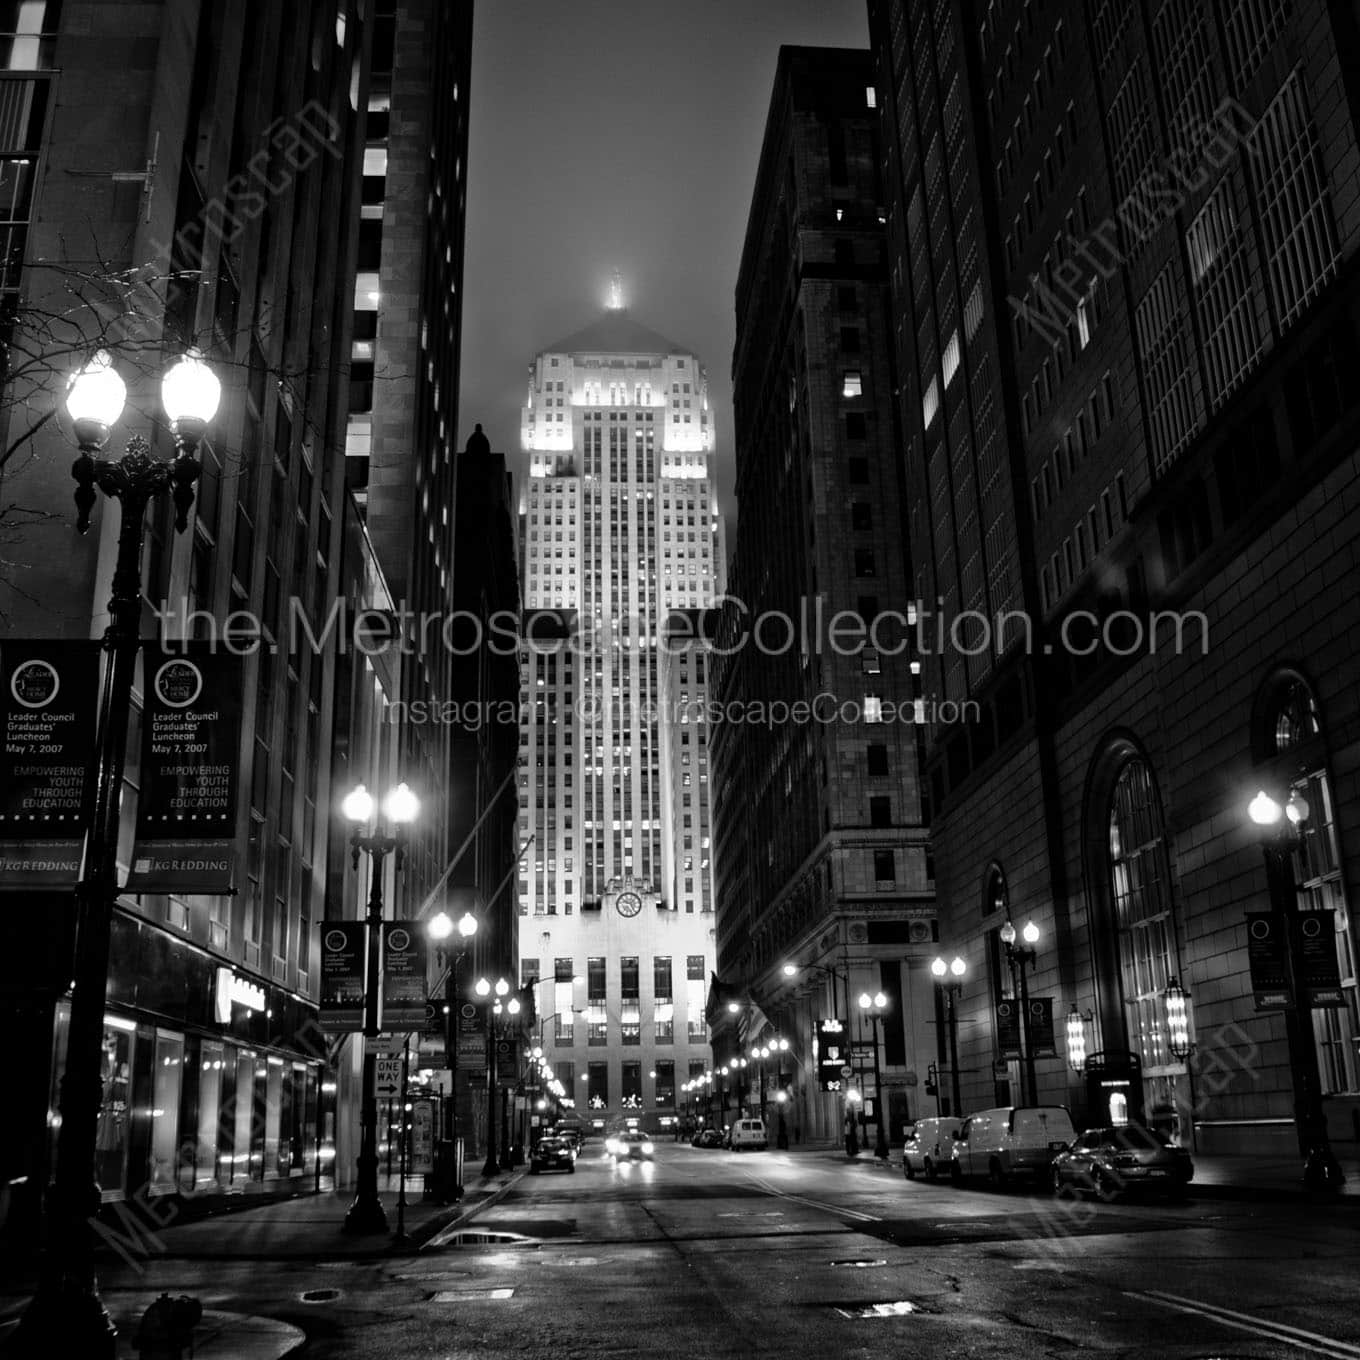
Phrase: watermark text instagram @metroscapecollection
[814,630]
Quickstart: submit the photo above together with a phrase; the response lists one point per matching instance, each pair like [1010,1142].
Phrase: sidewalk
[307,1228]
[1265,1179]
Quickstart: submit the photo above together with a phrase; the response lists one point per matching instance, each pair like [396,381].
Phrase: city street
[713,1253]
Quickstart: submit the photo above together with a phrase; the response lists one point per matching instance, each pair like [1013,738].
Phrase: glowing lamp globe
[958,967]
[440,927]
[1264,810]
[1030,933]
[95,397]
[938,967]
[467,925]
[190,393]
[358,805]
[401,805]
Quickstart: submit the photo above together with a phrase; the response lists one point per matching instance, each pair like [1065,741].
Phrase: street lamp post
[399,807]
[495,992]
[949,978]
[1021,958]
[1283,828]
[874,1006]
[780,1047]
[440,928]
[67,1315]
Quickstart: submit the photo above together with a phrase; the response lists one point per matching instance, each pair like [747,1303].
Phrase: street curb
[467,1215]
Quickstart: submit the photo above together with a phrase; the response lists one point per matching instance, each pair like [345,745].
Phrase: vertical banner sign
[1008,1028]
[343,958]
[1314,941]
[833,1052]
[470,1054]
[48,697]
[433,1048]
[191,758]
[1268,961]
[422,1137]
[403,975]
[1041,1034]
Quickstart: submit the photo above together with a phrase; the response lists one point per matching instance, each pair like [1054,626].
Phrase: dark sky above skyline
[608,136]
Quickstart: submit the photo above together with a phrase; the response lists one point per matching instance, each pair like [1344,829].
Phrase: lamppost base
[492,1167]
[67,1320]
[365,1215]
[1321,1170]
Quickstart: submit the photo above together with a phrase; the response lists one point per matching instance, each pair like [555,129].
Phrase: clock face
[629,904]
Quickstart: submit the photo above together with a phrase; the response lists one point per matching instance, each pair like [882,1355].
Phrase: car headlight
[647,1147]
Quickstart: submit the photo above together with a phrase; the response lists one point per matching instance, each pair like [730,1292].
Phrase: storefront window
[115,1113]
[167,1082]
[204,1168]
[245,1104]
[274,1146]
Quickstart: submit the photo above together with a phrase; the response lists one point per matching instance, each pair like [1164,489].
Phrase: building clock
[628,903]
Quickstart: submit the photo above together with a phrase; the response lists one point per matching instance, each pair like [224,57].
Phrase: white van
[1018,1140]
[748,1133]
[929,1146]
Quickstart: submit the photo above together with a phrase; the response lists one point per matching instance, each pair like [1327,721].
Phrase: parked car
[1123,1159]
[748,1133]
[706,1138]
[633,1147]
[572,1134]
[552,1154]
[929,1146]
[1013,1141]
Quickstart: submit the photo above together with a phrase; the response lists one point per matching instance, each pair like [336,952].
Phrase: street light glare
[358,805]
[1264,810]
[733,1006]
[1007,933]
[938,967]
[502,986]
[958,967]
[401,805]
[1030,932]
[467,925]
[96,392]
[190,390]
[790,969]
[482,987]
[439,926]
[865,1001]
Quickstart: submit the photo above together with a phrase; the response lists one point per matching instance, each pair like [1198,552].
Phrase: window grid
[1296,223]
[1173,404]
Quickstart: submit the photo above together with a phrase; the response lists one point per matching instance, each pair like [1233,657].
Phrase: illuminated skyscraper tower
[622,553]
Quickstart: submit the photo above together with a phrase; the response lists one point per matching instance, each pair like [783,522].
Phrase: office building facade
[820,838]
[1122,247]
[622,553]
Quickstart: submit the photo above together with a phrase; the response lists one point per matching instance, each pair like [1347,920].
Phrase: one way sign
[388,1083]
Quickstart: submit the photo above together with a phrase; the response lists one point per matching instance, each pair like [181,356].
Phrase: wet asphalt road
[717,1254]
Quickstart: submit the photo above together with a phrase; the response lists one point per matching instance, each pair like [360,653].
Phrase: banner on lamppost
[1314,942]
[470,1053]
[1008,1028]
[344,957]
[404,977]
[833,1050]
[48,698]
[185,838]
[1042,1040]
[422,1137]
[1268,961]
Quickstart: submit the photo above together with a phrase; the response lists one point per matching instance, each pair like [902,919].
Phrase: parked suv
[929,1146]
[1018,1140]
[748,1133]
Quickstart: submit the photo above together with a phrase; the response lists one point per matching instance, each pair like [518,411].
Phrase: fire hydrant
[167,1328]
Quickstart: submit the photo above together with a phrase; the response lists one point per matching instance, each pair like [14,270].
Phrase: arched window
[1292,736]
[1140,894]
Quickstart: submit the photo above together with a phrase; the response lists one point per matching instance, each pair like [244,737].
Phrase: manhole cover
[897,1308]
[486,1239]
[319,1295]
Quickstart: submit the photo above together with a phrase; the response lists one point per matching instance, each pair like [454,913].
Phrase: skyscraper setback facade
[1123,247]
[622,553]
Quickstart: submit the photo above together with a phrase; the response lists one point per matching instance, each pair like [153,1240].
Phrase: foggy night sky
[608,135]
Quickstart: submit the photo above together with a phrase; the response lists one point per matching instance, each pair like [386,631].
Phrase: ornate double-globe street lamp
[440,928]
[377,833]
[67,1315]
[1282,828]
[1021,959]
[495,994]
[949,978]
[874,1006]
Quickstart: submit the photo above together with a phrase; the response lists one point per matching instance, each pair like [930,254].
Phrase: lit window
[873,708]
[853,386]
[870,97]
[951,358]
[930,404]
